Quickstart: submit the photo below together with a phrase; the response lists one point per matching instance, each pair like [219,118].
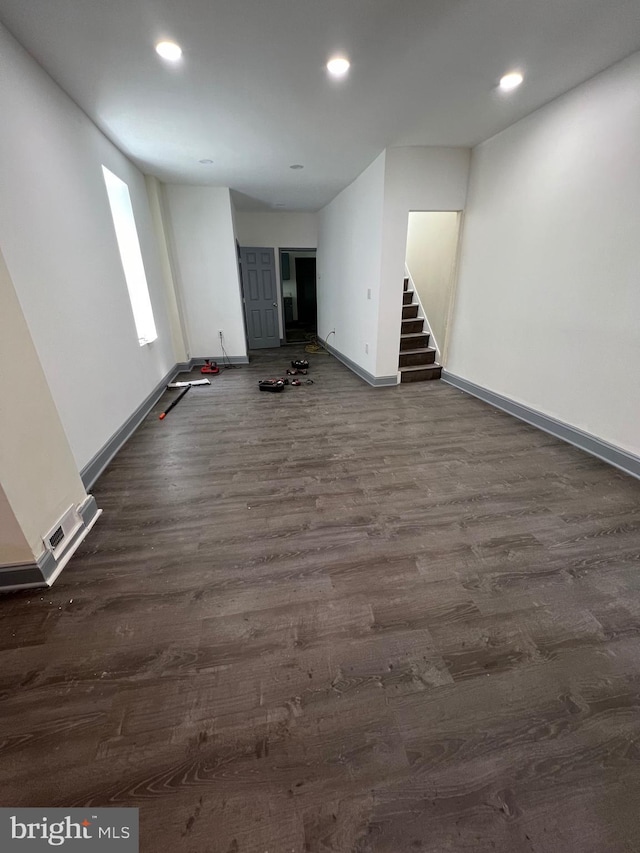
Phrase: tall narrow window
[129,245]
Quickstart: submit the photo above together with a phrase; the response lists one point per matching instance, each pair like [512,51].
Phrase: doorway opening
[430,261]
[299,301]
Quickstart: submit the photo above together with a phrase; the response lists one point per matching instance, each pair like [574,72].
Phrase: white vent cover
[61,534]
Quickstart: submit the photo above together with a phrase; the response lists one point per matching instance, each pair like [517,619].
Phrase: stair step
[409,326]
[406,284]
[407,297]
[409,312]
[413,357]
[420,373]
[414,341]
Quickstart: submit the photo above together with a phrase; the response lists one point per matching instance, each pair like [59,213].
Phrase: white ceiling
[252,93]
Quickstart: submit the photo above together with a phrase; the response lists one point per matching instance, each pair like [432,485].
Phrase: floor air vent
[56,538]
[62,533]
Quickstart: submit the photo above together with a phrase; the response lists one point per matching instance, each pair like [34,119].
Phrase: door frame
[300,250]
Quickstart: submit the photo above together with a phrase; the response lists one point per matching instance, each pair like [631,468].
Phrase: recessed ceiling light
[169,50]
[205,162]
[338,66]
[297,166]
[511,81]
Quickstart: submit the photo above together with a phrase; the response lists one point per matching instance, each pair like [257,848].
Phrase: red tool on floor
[210,367]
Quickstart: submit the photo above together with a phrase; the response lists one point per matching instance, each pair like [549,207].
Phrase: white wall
[205,267]
[548,298]
[416,178]
[14,548]
[362,244]
[58,240]
[348,266]
[174,307]
[432,244]
[277,231]
[38,475]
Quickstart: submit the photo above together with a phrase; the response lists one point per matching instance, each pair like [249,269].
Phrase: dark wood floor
[339,619]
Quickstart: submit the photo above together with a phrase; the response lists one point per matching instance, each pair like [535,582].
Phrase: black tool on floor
[174,403]
[271,384]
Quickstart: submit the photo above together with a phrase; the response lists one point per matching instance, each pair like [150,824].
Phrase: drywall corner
[174,312]
[38,474]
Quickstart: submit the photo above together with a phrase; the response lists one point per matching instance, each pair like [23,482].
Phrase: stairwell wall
[362,247]
[416,178]
[432,246]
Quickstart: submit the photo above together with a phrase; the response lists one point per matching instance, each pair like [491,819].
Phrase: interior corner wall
[172,296]
[200,221]
[348,267]
[236,244]
[277,231]
[548,295]
[59,244]
[416,178]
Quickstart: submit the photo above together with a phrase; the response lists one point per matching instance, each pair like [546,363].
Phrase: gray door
[260,297]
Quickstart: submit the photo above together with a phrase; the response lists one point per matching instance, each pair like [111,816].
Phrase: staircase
[417,359]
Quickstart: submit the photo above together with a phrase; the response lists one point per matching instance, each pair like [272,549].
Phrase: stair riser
[421,375]
[407,298]
[406,284]
[410,359]
[409,312]
[411,326]
[414,342]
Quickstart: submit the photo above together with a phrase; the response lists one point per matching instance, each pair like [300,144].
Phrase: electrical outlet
[368,293]
[220,333]
[366,348]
